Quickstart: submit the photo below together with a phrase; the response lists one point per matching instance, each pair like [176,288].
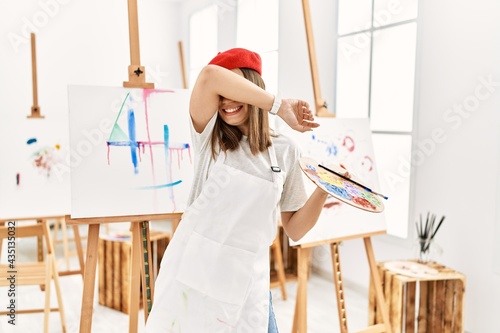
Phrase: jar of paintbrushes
[426,248]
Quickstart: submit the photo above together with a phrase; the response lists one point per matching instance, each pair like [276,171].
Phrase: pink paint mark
[109,150]
[367,163]
[145,96]
[178,152]
[146,93]
[349,143]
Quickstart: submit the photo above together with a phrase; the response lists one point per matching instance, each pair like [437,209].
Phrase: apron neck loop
[274,162]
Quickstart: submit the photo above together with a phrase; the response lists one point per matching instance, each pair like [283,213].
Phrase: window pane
[393,164]
[258,25]
[261,38]
[393,11]
[354,15]
[393,72]
[270,71]
[202,40]
[353,75]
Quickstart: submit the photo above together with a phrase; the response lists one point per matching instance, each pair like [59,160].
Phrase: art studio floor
[322,305]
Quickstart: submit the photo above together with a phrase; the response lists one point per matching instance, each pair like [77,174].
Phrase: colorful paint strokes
[130,138]
[340,188]
[45,158]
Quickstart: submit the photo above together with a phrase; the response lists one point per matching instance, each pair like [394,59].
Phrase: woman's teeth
[232,110]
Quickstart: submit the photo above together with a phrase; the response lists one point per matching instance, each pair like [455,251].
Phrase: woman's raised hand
[297,115]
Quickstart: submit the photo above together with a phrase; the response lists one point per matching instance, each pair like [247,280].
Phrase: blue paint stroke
[133,144]
[336,190]
[166,142]
[31,140]
[166,135]
[122,143]
[154,187]
[332,150]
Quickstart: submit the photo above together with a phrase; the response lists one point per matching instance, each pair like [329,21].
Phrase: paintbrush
[437,228]
[427,232]
[355,182]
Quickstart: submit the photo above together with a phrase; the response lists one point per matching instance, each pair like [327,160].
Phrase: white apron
[214,276]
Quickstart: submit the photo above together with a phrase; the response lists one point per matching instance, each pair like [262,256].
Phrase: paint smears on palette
[342,189]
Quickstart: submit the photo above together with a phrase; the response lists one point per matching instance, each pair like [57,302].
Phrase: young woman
[214,276]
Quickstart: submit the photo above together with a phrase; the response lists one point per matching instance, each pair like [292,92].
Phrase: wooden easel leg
[40,249]
[89,279]
[40,244]
[135,276]
[377,283]
[339,287]
[300,317]
[146,270]
[62,222]
[79,249]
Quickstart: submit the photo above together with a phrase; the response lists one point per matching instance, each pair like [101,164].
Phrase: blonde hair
[228,137]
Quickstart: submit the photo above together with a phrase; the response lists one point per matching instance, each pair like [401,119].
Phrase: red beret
[238,58]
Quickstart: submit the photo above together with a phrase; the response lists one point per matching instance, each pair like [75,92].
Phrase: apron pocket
[216,270]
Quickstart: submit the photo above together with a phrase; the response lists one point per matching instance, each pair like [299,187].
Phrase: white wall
[460,43]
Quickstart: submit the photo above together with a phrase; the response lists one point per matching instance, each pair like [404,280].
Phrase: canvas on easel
[131,151]
[344,142]
[131,162]
[357,214]
[35,180]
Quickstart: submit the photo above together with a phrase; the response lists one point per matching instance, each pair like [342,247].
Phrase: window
[261,38]
[375,75]
[202,40]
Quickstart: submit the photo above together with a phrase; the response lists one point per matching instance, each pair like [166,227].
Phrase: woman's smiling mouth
[232,110]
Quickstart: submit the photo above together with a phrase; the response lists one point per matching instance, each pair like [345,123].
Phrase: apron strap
[274,160]
[274,163]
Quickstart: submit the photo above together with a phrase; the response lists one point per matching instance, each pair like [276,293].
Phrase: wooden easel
[304,253]
[141,268]
[136,72]
[320,102]
[183,67]
[35,108]
[76,232]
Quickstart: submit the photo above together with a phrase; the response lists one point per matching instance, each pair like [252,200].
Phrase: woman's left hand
[297,115]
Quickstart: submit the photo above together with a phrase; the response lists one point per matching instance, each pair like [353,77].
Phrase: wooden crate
[432,303]
[114,255]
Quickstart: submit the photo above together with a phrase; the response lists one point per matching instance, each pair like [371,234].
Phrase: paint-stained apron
[214,276]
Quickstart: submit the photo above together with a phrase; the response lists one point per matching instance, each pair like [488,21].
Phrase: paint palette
[345,190]
[410,268]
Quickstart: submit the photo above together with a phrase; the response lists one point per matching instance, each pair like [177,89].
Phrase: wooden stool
[114,256]
[423,303]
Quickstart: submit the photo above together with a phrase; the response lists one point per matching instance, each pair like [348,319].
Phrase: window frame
[410,232]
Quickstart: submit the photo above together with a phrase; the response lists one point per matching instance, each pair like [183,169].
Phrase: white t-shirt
[293,196]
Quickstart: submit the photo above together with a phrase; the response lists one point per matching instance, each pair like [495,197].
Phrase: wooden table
[427,302]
